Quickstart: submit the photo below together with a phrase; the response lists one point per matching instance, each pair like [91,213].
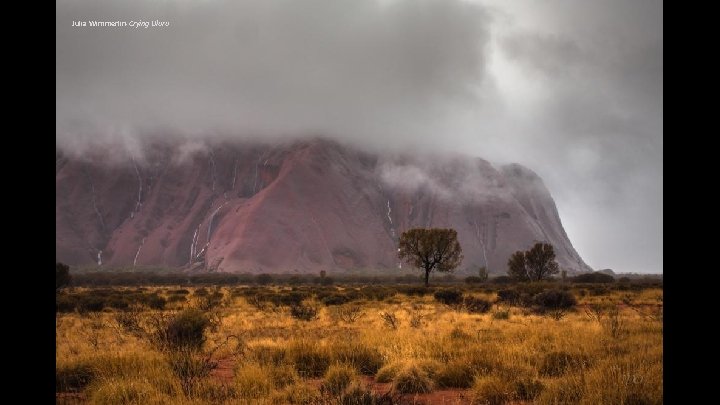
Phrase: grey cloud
[352,69]
[570,89]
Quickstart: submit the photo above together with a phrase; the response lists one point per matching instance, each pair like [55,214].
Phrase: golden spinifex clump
[433,249]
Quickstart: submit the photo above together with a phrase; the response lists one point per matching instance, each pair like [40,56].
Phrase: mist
[571,90]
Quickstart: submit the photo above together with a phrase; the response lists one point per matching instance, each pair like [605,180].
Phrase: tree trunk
[427,278]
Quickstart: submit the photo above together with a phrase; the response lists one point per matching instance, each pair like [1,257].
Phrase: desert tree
[535,264]
[433,249]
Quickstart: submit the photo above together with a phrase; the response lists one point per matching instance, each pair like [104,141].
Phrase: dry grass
[615,357]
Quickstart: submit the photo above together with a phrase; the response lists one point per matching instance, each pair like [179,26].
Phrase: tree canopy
[430,249]
[535,264]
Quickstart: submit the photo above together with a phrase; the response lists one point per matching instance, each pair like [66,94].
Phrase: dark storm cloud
[570,89]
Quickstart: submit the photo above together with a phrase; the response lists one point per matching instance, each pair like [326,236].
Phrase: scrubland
[549,343]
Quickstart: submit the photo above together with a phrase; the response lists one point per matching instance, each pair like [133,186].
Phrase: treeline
[91,279]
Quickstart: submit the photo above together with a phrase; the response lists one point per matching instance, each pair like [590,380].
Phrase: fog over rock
[300,206]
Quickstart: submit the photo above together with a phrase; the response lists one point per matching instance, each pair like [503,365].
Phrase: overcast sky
[571,89]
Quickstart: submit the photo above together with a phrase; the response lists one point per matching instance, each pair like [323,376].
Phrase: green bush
[449,296]
[335,299]
[555,299]
[187,330]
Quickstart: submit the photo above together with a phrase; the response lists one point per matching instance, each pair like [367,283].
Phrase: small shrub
[509,297]
[501,314]
[455,374]
[412,379]
[187,330]
[448,296]
[129,321]
[338,377]
[189,367]
[414,291]
[296,394]
[335,299]
[309,359]
[347,313]
[476,305]
[390,320]
[268,355]
[416,318]
[304,312]
[357,394]
[527,389]
[283,375]
[292,298]
[366,359]
[388,372]
[459,333]
[176,298]
[155,302]
[73,377]
[562,391]
[555,299]
[90,303]
[555,364]
[492,390]
[116,391]
[253,381]
[209,302]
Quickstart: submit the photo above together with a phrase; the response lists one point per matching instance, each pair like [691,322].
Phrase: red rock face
[300,207]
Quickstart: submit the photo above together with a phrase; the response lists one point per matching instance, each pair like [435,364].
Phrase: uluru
[293,207]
